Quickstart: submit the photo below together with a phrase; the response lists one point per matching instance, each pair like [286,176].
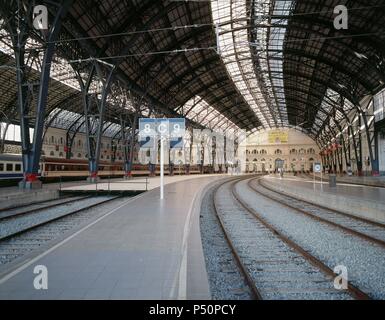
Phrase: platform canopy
[254,64]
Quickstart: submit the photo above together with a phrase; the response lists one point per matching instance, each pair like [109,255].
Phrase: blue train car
[11,166]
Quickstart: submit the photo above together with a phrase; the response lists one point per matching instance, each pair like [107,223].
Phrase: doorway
[279,164]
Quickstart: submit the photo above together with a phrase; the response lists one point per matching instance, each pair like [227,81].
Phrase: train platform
[133,184]
[146,248]
[364,181]
[364,201]
[13,196]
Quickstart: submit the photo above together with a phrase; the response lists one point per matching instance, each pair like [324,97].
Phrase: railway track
[274,266]
[23,206]
[29,209]
[371,231]
[24,238]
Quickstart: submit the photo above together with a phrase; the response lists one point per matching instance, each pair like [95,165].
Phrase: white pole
[314,177]
[161,168]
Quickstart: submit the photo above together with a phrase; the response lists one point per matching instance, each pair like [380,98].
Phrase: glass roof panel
[231,18]
[198,110]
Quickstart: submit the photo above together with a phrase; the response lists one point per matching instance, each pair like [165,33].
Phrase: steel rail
[22,213]
[319,219]
[246,275]
[28,204]
[20,232]
[353,291]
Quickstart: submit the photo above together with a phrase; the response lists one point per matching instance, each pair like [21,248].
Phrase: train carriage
[52,169]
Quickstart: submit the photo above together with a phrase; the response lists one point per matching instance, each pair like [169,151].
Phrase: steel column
[94,112]
[31,152]
[373,150]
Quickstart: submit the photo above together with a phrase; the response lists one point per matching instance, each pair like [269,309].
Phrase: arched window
[263,160]
[80,143]
[255,152]
[61,141]
[52,154]
[263,151]
[52,139]
[101,157]
[61,154]
[79,155]
[311,151]
[302,151]
[293,151]
[255,160]
[278,151]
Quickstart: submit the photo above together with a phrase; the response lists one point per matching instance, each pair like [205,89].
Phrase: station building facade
[287,148]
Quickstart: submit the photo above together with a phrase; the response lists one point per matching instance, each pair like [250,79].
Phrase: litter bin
[332,181]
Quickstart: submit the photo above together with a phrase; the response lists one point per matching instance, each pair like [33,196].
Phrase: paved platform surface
[144,249]
[345,190]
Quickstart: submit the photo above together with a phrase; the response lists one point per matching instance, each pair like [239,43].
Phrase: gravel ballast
[279,271]
[12,225]
[364,261]
[29,241]
[225,279]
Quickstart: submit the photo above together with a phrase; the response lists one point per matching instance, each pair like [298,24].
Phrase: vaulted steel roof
[165,50]
[258,63]
[321,62]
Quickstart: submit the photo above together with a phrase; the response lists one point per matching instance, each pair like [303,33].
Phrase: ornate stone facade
[299,153]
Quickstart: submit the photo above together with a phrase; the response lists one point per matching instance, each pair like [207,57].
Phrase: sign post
[153,130]
[162,168]
[163,133]
[317,169]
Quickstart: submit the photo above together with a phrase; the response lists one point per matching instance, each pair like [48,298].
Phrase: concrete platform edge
[362,208]
[27,197]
